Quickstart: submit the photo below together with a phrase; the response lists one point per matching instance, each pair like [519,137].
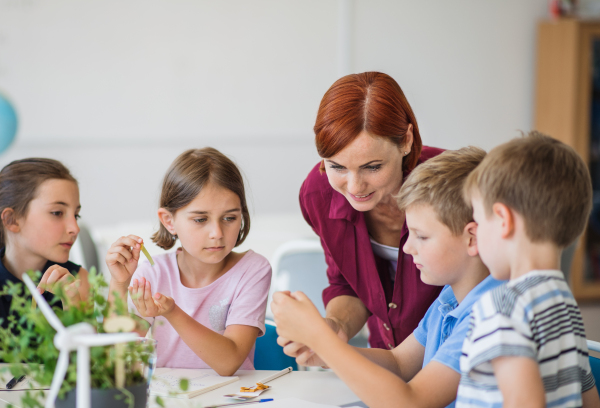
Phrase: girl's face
[367,170]
[209,226]
[49,227]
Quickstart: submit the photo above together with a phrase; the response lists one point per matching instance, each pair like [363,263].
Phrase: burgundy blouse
[352,268]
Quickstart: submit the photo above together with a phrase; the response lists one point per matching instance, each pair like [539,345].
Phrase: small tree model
[27,343]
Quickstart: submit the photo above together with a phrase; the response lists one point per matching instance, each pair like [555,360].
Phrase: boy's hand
[305,356]
[56,276]
[296,317]
[148,305]
[122,258]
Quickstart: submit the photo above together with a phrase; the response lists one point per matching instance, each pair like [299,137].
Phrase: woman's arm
[349,313]
[223,353]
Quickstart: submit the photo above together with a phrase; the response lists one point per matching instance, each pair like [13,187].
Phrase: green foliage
[29,339]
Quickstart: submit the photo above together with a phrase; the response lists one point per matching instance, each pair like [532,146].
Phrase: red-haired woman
[367,135]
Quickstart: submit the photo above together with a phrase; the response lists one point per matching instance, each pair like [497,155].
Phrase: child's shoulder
[520,295]
[162,262]
[250,261]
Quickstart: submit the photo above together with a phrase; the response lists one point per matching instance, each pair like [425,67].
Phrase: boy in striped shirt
[526,342]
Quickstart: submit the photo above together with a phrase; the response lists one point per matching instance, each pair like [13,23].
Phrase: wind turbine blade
[44,306]
[59,376]
[102,339]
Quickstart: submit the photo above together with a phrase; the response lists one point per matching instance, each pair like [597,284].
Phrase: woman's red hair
[370,101]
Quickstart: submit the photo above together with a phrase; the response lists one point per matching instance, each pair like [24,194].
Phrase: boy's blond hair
[543,180]
[439,182]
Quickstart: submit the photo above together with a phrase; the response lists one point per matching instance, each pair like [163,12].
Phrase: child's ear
[471,236]
[166,219]
[9,220]
[506,218]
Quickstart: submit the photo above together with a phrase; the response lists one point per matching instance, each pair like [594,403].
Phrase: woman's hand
[58,277]
[122,258]
[148,305]
[296,317]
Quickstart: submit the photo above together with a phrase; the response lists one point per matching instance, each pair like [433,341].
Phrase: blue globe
[8,123]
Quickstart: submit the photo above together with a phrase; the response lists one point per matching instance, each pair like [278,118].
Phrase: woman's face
[367,170]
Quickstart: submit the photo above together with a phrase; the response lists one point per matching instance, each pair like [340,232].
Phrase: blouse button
[386,326]
[390,346]
[392,305]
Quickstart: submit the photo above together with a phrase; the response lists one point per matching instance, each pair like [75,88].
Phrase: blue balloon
[8,123]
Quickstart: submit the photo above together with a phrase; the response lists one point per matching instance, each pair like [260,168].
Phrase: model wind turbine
[80,337]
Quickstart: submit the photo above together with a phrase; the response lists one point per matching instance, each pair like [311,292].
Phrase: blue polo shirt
[444,327]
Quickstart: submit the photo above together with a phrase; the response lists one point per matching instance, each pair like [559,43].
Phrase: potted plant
[28,345]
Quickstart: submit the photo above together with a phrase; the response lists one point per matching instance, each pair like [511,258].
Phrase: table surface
[315,386]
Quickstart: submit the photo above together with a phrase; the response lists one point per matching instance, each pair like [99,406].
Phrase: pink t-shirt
[237,297]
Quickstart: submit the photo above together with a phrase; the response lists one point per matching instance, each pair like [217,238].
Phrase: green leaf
[184,384]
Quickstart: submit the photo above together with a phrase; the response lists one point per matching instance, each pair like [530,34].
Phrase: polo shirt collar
[474,295]
[447,301]
[340,208]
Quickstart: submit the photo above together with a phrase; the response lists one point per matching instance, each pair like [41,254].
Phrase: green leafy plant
[27,341]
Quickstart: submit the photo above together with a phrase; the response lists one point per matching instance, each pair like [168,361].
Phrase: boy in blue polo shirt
[424,370]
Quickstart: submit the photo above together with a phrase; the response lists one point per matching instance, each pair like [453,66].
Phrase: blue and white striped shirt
[532,316]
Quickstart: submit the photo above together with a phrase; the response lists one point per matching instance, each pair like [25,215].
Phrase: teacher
[367,135]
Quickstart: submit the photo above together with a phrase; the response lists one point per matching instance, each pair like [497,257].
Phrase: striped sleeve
[493,334]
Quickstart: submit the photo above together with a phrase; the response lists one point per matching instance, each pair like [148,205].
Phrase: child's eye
[199,220]
[56,213]
[230,219]
[422,238]
[77,216]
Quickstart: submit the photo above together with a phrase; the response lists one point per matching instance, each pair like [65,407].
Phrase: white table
[316,386]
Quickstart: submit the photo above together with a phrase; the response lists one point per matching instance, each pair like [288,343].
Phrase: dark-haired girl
[39,208]
[209,302]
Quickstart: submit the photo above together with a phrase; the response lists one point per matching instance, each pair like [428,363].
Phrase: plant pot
[110,397]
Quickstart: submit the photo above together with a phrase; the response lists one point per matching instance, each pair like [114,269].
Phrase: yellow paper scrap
[145,251]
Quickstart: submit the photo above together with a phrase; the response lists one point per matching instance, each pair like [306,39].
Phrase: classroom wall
[116,89]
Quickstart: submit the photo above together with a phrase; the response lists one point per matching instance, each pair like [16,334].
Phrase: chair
[594,361]
[84,251]
[300,266]
[268,355]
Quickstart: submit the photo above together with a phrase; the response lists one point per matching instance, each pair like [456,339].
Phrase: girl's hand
[296,317]
[56,276]
[122,258]
[148,305]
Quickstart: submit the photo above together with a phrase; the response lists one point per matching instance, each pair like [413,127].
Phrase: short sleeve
[249,305]
[422,329]
[495,334]
[450,351]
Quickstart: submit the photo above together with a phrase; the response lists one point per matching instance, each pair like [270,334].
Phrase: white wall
[116,89]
